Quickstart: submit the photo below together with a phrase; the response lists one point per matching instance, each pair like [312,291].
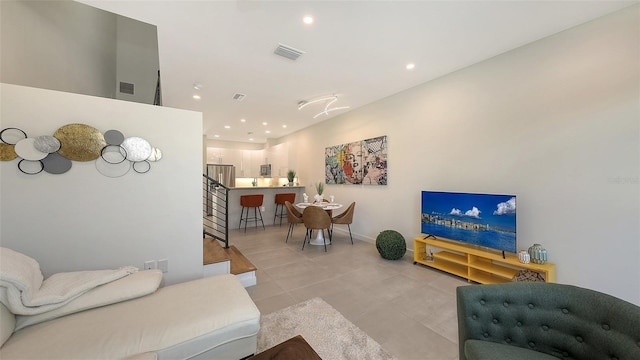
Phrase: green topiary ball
[391,245]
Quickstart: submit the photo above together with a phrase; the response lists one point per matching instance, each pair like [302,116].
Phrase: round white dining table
[319,240]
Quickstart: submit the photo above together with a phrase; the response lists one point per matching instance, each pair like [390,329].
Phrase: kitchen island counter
[267,187]
[268,204]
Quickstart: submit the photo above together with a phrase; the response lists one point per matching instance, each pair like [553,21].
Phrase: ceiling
[356,50]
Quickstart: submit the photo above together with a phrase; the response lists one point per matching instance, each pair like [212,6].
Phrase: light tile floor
[409,309]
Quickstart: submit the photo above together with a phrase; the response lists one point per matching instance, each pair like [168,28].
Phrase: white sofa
[212,318]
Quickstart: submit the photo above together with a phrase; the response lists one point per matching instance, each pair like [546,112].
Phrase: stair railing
[215,209]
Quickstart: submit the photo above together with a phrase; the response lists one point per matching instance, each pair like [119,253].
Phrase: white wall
[555,122]
[73,47]
[37,50]
[83,220]
[137,59]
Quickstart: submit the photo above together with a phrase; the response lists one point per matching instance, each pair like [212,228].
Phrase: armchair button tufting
[495,321]
[518,324]
[486,335]
[545,328]
[606,327]
[532,344]
[565,311]
[530,306]
[507,340]
[505,304]
[474,317]
[482,302]
[579,339]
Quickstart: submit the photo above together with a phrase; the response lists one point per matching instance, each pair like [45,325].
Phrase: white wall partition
[73,47]
[83,220]
[555,122]
[60,45]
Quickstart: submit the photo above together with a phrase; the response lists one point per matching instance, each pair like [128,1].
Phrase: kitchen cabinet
[277,156]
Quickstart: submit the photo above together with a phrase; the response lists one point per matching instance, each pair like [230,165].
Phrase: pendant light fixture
[327,100]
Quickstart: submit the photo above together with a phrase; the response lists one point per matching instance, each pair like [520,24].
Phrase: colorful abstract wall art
[360,162]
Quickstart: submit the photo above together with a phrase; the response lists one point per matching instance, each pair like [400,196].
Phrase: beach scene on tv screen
[485,220]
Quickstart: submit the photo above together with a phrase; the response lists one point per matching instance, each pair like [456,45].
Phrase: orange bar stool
[280,199]
[248,202]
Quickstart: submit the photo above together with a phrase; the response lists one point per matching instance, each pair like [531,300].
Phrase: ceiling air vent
[288,52]
[126,88]
[238,96]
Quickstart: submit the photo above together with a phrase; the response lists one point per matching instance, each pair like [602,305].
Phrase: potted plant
[291,175]
[391,245]
[319,189]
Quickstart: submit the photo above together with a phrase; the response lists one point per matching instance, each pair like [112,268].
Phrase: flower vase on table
[318,198]
[320,190]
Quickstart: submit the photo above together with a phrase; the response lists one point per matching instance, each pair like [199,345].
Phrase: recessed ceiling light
[198,86]
[250,139]
[264,123]
[307,20]
[197,97]
[227,127]
[268,132]
[216,136]
[243,120]
[410,66]
[284,126]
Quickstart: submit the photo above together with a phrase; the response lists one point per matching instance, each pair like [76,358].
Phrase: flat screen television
[485,220]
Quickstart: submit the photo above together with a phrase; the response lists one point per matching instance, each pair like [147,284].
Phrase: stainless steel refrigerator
[224,174]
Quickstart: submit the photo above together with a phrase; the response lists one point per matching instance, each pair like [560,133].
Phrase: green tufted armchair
[527,320]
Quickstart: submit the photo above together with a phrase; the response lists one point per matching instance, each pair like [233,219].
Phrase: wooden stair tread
[239,263]
[213,252]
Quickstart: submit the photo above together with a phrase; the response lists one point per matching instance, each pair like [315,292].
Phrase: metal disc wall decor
[30,167]
[114,154]
[141,167]
[47,144]
[55,163]
[156,155]
[7,152]
[113,137]
[138,149]
[12,135]
[80,142]
[112,170]
[26,149]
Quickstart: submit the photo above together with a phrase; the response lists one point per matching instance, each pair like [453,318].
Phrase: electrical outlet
[262,208]
[151,264]
[163,264]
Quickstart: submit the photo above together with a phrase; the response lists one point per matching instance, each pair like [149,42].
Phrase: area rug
[329,333]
